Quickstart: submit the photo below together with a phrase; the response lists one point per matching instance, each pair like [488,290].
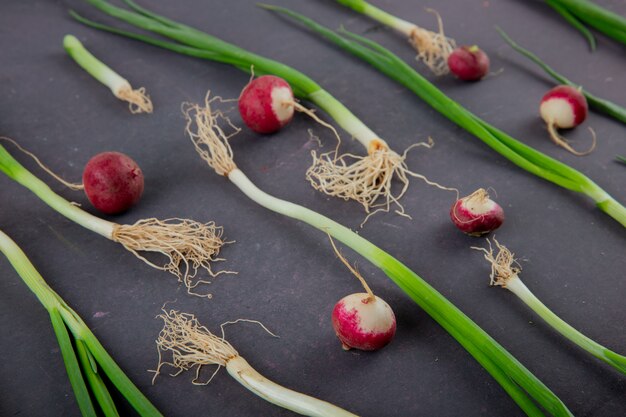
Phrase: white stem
[323,223]
[517,287]
[303,404]
[385,18]
[346,119]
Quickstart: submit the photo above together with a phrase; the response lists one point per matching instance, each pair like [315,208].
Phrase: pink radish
[363,322]
[564,107]
[113,182]
[267,104]
[469,63]
[477,214]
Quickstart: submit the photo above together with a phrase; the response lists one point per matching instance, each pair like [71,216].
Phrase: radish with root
[192,345]
[565,107]
[266,104]
[138,100]
[362,320]
[477,214]
[524,388]
[505,272]
[187,245]
[469,63]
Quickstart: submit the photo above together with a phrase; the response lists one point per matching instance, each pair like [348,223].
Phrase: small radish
[267,104]
[363,322]
[113,182]
[469,63]
[564,107]
[477,214]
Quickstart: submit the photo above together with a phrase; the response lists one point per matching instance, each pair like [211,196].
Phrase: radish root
[209,139]
[138,100]
[188,245]
[561,141]
[504,266]
[366,179]
[433,48]
[191,344]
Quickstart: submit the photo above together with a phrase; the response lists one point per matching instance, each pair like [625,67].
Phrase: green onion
[363,179]
[84,356]
[585,11]
[193,345]
[506,275]
[600,104]
[138,101]
[524,388]
[188,245]
[515,151]
[572,20]
[622,159]
[433,48]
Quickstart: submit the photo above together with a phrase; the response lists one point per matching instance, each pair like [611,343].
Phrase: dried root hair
[191,345]
[187,244]
[138,100]
[366,179]
[433,48]
[209,139]
[504,266]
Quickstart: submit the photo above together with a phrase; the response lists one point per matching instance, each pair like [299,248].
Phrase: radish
[267,104]
[113,182]
[469,63]
[477,214]
[564,107]
[363,321]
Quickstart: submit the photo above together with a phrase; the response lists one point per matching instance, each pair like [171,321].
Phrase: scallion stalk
[193,345]
[505,273]
[188,245]
[515,151]
[345,176]
[523,387]
[138,100]
[601,19]
[600,104]
[84,356]
[433,48]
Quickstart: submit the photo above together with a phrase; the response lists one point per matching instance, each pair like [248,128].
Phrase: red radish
[469,63]
[564,107]
[363,321]
[267,104]
[113,182]
[477,214]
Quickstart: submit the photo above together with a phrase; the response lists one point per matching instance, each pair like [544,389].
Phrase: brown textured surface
[289,278]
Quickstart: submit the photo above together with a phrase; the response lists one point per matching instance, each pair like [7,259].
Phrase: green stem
[517,287]
[435,304]
[380,15]
[572,20]
[98,388]
[21,175]
[601,19]
[64,318]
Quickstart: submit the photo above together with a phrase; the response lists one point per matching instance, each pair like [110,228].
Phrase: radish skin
[113,182]
[477,214]
[363,322]
[266,104]
[469,63]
